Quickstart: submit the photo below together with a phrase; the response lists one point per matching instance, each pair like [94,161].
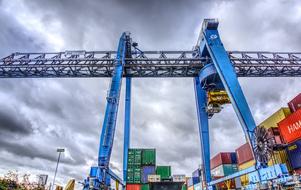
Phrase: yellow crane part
[117,185]
[218,97]
[70,185]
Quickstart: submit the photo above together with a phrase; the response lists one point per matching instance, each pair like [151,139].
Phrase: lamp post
[59,150]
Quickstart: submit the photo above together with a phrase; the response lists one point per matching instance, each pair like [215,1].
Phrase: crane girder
[81,64]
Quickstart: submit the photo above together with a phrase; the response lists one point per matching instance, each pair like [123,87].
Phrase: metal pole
[57,165]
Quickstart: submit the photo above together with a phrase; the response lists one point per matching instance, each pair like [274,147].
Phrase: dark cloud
[43,114]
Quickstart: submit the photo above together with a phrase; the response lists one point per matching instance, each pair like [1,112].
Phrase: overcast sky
[39,115]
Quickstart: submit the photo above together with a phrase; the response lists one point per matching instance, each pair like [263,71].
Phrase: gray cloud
[69,112]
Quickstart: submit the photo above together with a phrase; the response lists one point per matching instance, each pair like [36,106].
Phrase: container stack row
[285,127]
[142,172]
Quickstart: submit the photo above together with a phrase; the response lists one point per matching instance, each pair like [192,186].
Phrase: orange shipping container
[190,188]
[133,187]
[290,127]
[244,154]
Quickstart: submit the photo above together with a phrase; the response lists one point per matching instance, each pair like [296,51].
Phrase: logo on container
[294,127]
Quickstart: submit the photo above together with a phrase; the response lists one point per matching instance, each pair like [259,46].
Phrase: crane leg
[127,126]
[201,101]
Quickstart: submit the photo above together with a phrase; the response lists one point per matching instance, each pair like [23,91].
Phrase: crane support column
[228,76]
[201,102]
[127,125]
[109,124]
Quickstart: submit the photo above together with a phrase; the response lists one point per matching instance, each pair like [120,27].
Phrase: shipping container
[164,172]
[178,178]
[166,186]
[295,103]
[290,127]
[198,186]
[246,165]
[280,157]
[134,174]
[145,171]
[271,122]
[222,158]
[294,154]
[184,187]
[145,187]
[244,154]
[133,187]
[149,157]
[224,170]
[154,178]
[134,157]
[193,180]
[196,173]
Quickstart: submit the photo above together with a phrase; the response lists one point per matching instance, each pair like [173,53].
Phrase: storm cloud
[39,115]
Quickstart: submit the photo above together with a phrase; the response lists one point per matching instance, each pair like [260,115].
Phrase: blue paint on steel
[201,103]
[109,124]
[93,171]
[207,71]
[127,125]
[229,79]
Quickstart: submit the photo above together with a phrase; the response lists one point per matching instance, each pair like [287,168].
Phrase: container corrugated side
[244,153]
[146,171]
[294,154]
[280,157]
[221,158]
[246,165]
[149,157]
[164,171]
[133,187]
[224,170]
[290,127]
[275,118]
[295,103]
[145,187]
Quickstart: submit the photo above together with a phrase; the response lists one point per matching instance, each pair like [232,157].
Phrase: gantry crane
[212,68]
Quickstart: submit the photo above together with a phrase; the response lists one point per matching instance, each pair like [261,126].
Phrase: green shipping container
[145,187]
[148,157]
[184,187]
[164,172]
[134,157]
[133,174]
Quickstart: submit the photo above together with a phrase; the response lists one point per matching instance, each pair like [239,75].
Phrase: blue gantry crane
[212,68]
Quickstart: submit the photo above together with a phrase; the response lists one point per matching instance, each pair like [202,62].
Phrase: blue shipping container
[196,173]
[147,170]
[93,171]
[294,154]
[192,181]
[233,157]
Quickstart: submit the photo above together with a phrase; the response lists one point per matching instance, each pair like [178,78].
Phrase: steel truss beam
[147,64]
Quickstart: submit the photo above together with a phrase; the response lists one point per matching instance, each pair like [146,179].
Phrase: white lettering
[294,127]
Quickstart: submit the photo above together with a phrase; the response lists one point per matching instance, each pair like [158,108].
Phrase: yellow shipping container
[275,118]
[280,157]
[244,178]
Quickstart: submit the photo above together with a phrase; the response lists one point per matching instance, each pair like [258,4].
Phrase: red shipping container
[133,187]
[244,154]
[295,103]
[290,127]
[220,158]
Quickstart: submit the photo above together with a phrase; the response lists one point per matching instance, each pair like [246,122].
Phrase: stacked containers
[134,166]
[141,164]
[245,159]
[271,123]
[223,164]
[294,153]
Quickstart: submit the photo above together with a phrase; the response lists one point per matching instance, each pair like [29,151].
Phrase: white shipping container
[178,178]
[153,178]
